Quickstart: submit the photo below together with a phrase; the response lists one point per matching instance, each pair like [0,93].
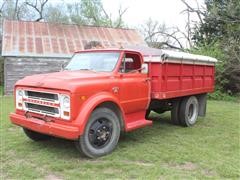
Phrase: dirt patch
[13,129]
[112,171]
[208,172]
[99,161]
[92,161]
[189,166]
[52,177]
[139,163]
[3,176]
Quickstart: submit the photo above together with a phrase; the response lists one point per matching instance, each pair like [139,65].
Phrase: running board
[136,120]
[138,124]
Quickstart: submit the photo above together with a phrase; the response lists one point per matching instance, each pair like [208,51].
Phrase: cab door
[134,84]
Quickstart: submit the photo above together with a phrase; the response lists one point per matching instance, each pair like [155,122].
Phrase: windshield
[94,61]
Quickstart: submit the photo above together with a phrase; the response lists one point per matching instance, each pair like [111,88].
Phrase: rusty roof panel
[25,38]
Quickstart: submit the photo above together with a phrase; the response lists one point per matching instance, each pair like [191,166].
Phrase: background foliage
[84,12]
[219,36]
[215,34]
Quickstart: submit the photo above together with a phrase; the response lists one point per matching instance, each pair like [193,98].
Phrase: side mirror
[63,65]
[144,68]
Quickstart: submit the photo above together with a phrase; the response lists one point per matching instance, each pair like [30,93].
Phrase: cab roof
[157,54]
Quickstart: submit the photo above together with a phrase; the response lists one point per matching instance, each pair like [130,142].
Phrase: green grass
[208,150]
[1,90]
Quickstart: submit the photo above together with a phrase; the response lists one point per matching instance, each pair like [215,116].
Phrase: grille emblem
[36,101]
[115,90]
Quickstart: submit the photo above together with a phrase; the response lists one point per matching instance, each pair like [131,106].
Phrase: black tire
[35,136]
[175,112]
[188,111]
[101,134]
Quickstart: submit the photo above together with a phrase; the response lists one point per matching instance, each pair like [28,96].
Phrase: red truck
[103,92]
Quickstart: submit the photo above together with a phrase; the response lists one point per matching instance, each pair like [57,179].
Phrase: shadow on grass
[66,149]
[161,118]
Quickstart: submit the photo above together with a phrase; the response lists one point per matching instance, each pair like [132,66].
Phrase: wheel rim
[192,113]
[100,133]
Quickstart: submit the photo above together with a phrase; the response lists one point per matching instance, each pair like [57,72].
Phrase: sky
[138,11]
[168,12]
[164,11]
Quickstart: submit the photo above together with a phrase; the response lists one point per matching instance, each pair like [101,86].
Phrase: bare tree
[191,26]
[38,6]
[15,14]
[159,36]
[1,8]
[119,20]
[85,12]
[9,9]
[197,10]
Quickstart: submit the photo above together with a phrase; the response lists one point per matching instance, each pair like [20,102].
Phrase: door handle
[147,79]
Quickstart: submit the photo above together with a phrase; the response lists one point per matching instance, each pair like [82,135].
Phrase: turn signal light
[65,113]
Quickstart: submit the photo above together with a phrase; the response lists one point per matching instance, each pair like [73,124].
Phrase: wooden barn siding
[16,68]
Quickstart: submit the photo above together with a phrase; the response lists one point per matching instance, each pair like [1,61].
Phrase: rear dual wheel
[101,134]
[185,112]
[175,112]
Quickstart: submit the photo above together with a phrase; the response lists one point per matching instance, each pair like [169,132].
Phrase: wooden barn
[39,47]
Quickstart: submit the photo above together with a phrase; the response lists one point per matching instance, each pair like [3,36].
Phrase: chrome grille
[41,95]
[42,109]
[46,103]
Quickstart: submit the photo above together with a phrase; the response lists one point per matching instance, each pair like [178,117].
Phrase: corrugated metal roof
[25,38]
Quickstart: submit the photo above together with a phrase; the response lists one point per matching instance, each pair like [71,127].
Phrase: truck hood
[64,80]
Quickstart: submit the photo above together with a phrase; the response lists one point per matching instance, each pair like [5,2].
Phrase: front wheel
[101,134]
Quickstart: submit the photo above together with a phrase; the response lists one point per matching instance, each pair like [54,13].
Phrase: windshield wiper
[66,69]
[88,70]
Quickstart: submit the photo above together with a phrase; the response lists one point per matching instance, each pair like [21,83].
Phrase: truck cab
[98,94]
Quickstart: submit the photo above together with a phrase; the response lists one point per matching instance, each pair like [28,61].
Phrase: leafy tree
[92,12]
[222,26]
[221,21]
[216,34]
[84,12]
[56,13]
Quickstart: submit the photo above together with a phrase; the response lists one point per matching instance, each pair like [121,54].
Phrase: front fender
[90,104]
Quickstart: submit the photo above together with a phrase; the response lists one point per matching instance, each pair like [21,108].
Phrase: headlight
[20,92]
[65,106]
[66,102]
[19,98]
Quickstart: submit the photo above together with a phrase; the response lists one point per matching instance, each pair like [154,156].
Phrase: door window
[130,63]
